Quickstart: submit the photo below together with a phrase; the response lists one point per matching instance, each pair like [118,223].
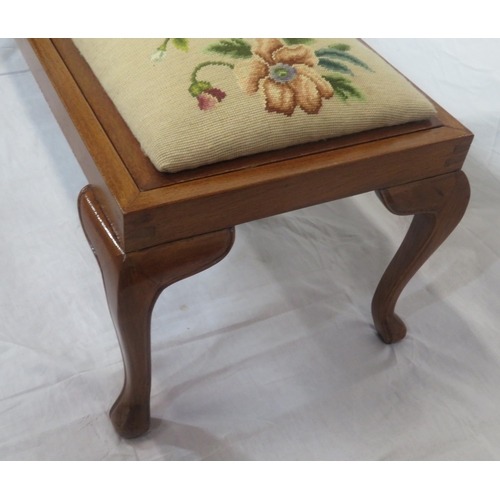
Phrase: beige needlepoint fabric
[194,101]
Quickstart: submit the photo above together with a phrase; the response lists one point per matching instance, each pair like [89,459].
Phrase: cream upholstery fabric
[192,102]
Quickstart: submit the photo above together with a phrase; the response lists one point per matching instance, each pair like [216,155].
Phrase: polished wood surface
[438,204]
[150,229]
[217,202]
[133,282]
[94,151]
[140,167]
[144,211]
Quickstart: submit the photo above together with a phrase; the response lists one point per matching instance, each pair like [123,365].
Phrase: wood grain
[143,171]
[438,204]
[95,153]
[133,282]
[148,208]
[149,229]
[216,202]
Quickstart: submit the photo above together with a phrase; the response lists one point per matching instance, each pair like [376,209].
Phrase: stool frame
[150,229]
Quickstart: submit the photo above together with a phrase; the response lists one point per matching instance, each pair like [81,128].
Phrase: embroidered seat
[245,129]
[192,102]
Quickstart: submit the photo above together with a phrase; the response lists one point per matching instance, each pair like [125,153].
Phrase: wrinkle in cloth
[271,354]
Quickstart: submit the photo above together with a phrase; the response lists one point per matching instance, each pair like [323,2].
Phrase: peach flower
[286,76]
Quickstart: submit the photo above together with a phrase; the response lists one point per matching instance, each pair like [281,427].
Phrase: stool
[150,227]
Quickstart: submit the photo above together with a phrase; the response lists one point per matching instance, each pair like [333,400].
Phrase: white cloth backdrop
[271,354]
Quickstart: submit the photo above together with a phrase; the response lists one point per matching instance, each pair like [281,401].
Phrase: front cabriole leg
[438,204]
[133,282]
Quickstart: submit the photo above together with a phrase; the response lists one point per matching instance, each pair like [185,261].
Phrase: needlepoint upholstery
[192,102]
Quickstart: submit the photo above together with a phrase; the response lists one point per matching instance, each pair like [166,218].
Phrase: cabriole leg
[438,204]
[133,282]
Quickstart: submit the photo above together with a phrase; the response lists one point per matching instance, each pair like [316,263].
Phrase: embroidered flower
[158,55]
[283,71]
[179,43]
[286,76]
[209,98]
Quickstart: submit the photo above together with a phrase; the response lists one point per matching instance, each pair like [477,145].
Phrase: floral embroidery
[287,72]
[179,43]
[208,96]
[286,75]
[235,47]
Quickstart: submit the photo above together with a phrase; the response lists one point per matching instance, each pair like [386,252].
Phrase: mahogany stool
[149,229]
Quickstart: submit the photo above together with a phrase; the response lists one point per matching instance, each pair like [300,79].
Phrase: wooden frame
[150,229]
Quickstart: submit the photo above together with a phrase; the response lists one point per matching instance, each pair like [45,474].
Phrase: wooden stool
[149,229]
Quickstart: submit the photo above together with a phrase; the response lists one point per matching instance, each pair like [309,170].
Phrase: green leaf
[181,44]
[163,46]
[343,88]
[334,66]
[235,47]
[298,41]
[340,46]
[343,56]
